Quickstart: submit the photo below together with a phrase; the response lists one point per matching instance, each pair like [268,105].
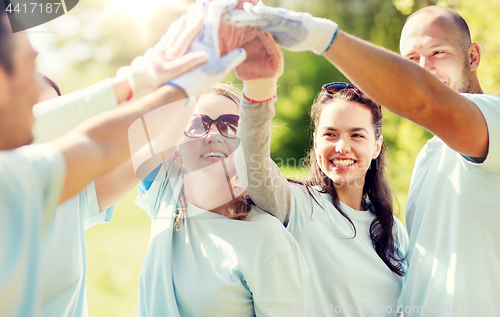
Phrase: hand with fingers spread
[294,31]
[168,58]
[217,67]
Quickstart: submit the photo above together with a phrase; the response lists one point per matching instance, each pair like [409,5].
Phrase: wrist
[121,88]
[325,30]
[260,90]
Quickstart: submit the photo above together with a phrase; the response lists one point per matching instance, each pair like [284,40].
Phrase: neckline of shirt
[351,212]
[193,211]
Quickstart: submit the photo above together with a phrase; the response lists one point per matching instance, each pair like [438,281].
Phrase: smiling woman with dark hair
[341,214]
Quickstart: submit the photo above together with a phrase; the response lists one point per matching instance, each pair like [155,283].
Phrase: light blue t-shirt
[347,277]
[63,266]
[213,265]
[31,180]
[453,219]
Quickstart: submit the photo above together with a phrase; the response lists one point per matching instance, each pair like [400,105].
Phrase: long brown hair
[240,207]
[376,188]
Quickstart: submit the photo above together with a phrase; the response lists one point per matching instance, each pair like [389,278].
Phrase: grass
[115,253]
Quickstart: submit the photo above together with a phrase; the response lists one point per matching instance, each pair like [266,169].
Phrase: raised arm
[267,187]
[162,129]
[169,125]
[411,92]
[102,143]
[398,84]
[97,146]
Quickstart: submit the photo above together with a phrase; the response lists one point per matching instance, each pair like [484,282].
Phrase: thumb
[234,58]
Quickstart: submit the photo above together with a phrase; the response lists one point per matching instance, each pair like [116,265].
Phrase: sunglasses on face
[200,125]
[333,88]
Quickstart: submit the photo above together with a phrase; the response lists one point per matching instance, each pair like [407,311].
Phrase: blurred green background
[97,37]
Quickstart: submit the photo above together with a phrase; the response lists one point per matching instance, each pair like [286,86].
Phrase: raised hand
[198,80]
[294,31]
[260,71]
[168,58]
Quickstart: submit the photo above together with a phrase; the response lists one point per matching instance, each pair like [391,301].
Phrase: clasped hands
[214,37]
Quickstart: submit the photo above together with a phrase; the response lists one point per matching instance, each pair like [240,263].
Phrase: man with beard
[452,212]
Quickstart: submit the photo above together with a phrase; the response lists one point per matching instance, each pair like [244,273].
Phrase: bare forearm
[412,92]
[112,186]
[383,75]
[100,144]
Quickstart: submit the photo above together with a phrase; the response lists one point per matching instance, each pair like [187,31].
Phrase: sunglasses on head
[333,88]
[200,125]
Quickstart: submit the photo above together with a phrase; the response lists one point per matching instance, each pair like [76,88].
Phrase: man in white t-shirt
[453,204]
[452,213]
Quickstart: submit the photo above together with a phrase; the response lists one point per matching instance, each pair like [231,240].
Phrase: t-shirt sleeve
[279,286]
[490,108]
[166,184]
[31,180]
[264,182]
[89,206]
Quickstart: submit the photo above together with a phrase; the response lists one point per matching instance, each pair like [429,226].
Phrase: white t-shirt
[64,260]
[216,266]
[452,217]
[31,180]
[347,277]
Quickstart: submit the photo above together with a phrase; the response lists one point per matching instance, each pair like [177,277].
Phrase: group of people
[230,235]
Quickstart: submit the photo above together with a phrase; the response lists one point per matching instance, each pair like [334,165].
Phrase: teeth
[213,154]
[342,163]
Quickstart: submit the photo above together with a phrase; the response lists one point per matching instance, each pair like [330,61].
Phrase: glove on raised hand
[261,69]
[168,58]
[295,31]
[232,37]
[216,68]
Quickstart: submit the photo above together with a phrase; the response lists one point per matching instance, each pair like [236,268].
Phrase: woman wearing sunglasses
[212,252]
[341,214]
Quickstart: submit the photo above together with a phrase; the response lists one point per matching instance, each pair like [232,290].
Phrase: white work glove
[295,31]
[216,68]
[168,58]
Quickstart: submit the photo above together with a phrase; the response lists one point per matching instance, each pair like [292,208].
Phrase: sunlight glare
[140,9]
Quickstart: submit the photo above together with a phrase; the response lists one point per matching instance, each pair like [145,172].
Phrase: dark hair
[376,188]
[6,44]
[240,207]
[52,84]
[457,19]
